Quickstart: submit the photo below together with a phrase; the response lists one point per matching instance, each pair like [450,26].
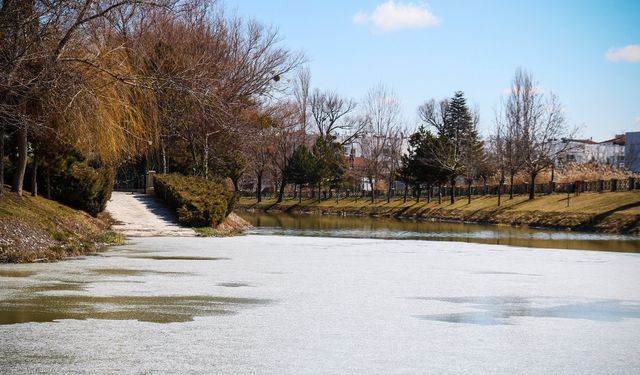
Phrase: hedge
[83,186]
[198,202]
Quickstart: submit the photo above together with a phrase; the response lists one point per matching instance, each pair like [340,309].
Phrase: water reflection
[16,273]
[155,309]
[501,310]
[388,228]
[134,272]
[162,257]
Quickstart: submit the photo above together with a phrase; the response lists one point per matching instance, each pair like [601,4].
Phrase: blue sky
[426,50]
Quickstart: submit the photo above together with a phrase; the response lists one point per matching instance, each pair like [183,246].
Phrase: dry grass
[37,229]
[610,211]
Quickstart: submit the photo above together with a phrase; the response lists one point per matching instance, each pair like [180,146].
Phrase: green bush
[83,186]
[198,202]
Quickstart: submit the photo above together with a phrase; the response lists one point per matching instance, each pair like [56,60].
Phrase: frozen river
[305,305]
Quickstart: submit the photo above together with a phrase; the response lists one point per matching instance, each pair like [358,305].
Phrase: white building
[611,151]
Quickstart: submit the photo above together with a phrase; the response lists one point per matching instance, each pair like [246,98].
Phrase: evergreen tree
[420,161]
[302,168]
[330,161]
[457,146]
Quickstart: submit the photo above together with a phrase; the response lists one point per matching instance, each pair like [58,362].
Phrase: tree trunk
[163,150]
[406,191]
[48,182]
[300,193]
[205,158]
[194,157]
[469,192]
[452,194]
[511,186]
[532,188]
[18,180]
[500,189]
[440,194]
[236,186]
[34,175]
[259,187]
[429,193]
[373,191]
[418,195]
[337,195]
[2,130]
[283,183]
[319,192]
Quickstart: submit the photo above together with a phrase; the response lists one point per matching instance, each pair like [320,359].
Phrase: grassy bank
[36,229]
[612,212]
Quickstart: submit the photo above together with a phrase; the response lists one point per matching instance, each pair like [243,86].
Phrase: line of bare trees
[173,83]
[446,150]
[181,87]
[530,131]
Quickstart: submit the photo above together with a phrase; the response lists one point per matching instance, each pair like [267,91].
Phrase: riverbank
[35,229]
[610,212]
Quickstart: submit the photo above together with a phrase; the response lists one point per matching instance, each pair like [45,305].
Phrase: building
[632,151]
[582,151]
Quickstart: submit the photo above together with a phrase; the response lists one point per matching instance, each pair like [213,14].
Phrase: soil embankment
[35,229]
[611,212]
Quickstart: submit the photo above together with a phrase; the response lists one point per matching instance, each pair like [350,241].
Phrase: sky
[586,52]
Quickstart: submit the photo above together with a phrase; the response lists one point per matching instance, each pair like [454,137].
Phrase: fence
[130,183]
[575,187]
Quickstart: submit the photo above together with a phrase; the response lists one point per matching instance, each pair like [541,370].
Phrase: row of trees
[175,84]
[528,138]
[446,150]
[308,147]
[180,86]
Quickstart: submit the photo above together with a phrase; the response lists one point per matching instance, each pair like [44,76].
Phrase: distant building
[582,151]
[579,150]
[632,151]
[612,151]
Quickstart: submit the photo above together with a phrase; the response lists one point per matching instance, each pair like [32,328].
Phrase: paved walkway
[143,215]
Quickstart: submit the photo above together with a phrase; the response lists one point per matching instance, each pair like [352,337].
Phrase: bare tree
[301,87]
[395,147]
[541,120]
[330,114]
[382,119]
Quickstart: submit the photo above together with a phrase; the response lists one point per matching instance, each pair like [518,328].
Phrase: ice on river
[302,305]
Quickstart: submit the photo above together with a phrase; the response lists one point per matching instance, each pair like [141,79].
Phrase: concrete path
[143,215]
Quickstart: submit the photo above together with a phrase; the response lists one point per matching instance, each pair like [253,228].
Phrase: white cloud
[360,18]
[392,16]
[630,53]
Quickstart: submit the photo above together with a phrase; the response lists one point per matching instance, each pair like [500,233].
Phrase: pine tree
[302,168]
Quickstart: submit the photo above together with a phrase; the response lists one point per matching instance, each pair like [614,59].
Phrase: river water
[272,304]
[388,228]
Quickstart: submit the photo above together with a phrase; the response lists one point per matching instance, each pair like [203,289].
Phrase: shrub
[198,202]
[83,186]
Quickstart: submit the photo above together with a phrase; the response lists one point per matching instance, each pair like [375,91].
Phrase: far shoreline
[610,212]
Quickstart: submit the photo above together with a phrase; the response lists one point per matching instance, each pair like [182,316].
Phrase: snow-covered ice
[305,305]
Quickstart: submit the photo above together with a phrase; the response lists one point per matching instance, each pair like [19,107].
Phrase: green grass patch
[212,232]
[113,238]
